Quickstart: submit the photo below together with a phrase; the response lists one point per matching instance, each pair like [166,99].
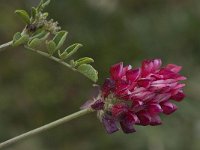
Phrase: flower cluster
[138,96]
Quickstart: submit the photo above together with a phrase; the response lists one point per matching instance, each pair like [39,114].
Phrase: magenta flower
[138,96]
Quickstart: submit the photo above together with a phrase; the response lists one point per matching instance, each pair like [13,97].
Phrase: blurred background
[35,90]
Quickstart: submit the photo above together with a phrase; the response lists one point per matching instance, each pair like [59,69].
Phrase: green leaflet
[38,39]
[39,34]
[16,36]
[51,47]
[63,55]
[88,71]
[43,4]
[23,15]
[44,36]
[33,13]
[84,60]
[34,43]
[19,39]
[60,38]
[71,50]
[45,15]
[57,42]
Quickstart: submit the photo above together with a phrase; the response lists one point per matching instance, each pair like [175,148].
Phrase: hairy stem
[45,127]
[5,45]
[51,57]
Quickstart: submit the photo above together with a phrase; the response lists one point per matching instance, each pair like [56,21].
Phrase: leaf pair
[71,50]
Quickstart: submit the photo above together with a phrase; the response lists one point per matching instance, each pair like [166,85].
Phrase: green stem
[51,57]
[45,127]
[5,45]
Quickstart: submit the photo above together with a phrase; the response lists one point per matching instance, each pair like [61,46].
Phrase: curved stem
[5,45]
[45,127]
[51,57]
[41,53]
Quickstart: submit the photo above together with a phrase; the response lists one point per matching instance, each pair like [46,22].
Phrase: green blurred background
[35,91]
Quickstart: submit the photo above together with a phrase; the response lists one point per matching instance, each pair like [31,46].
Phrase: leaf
[43,4]
[46,3]
[60,38]
[40,4]
[73,49]
[23,15]
[38,39]
[34,43]
[19,40]
[44,36]
[45,15]
[16,36]
[62,55]
[39,32]
[84,60]
[51,47]
[69,51]
[41,35]
[88,71]
[33,12]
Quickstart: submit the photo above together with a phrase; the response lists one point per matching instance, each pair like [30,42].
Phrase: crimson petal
[125,69]
[154,108]
[150,66]
[144,118]
[144,83]
[178,97]
[133,75]
[118,110]
[155,120]
[174,68]
[168,107]
[116,71]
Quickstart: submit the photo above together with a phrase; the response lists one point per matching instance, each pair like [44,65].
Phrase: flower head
[138,96]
